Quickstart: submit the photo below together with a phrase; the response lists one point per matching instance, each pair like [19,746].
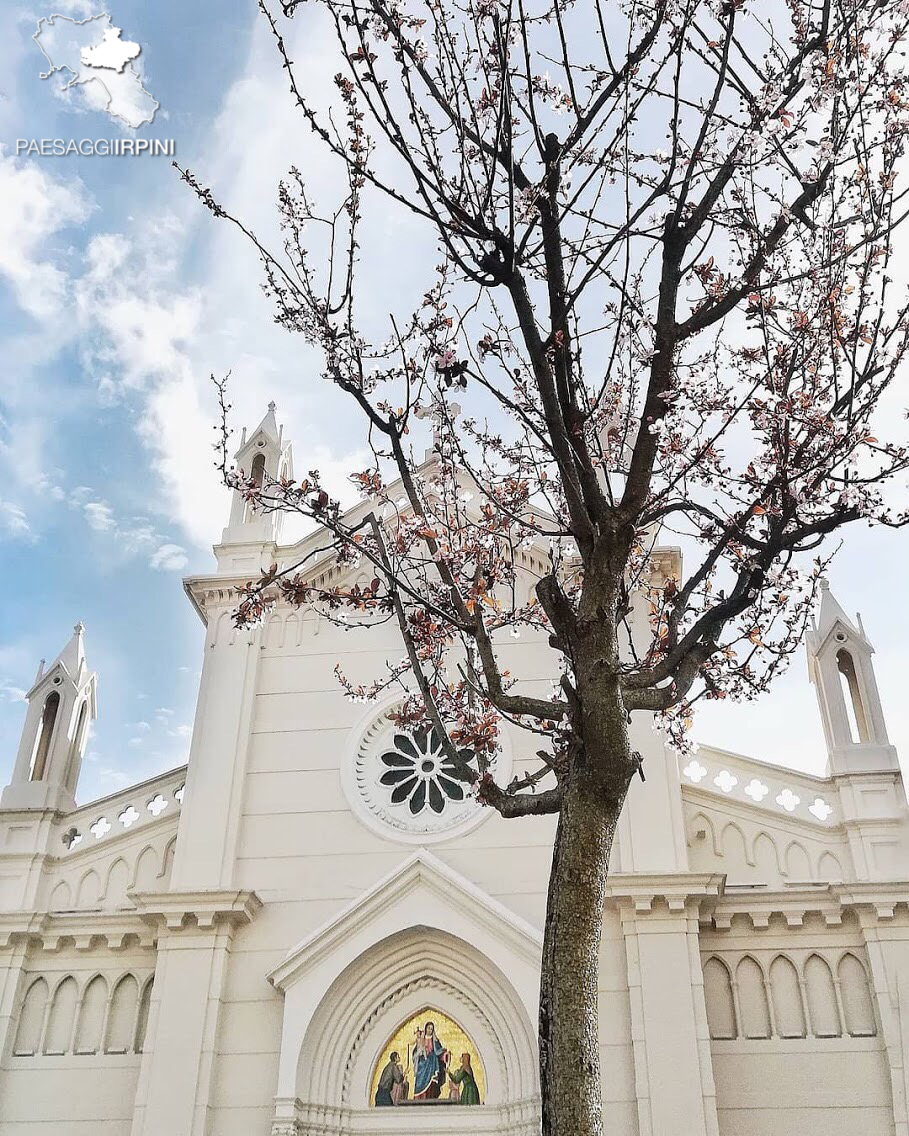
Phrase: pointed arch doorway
[361,987]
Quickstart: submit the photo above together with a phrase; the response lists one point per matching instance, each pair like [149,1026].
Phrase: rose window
[402,782]
[422,774]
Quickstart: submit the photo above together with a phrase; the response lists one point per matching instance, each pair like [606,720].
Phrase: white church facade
[238,947]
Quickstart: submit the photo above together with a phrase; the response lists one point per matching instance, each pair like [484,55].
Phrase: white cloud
[137,537]
[37,206]
[78,9]
[11,692]
[14,522]
[169,558]
[113,778]
[99,516]
[146,336]
[136,323]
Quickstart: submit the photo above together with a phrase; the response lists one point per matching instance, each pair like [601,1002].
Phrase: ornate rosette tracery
[403,783]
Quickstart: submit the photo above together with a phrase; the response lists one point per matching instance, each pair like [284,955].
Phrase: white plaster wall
[752,846]
[809,1088]
[616,1049]
[100,875]
[811,1085]
[305,853]
[73,1094]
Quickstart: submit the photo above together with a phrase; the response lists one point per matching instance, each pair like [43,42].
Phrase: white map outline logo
[98,63]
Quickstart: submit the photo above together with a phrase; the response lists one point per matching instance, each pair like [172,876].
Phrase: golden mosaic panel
[451,1036]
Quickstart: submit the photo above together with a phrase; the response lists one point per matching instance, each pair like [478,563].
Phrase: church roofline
[761,763]
[97,802]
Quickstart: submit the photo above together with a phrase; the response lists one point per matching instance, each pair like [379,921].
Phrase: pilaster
[651,830]
[195,932]
[875,817]
[887,948]
[670,1037]
[12,970]
[204,855]
[25,836]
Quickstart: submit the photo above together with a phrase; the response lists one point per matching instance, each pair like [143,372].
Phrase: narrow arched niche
[61,1018]
[142,1016]
[752,992]
[858,1005]
[852,696]
[75,751]
[45,734]
[787,998]
[823,1011]
[426,1049]
[721,1016]
[90,1017]
[121,1016]
[257,477]
[31,1019]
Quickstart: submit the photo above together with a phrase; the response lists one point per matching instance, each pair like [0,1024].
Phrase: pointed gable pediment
[833,621]
[69,664]
[842,627]
[421,892]
[267,431]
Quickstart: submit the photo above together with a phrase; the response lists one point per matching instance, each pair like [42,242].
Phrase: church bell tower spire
[264,456]
[840,666]
[61,705]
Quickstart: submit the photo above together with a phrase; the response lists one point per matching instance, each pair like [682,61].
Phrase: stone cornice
[205,591]
[679,890]
[207,908]
[87,930]
[153,912]
[793,905]
[295,1117]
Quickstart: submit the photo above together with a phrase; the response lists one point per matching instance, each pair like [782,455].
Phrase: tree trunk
[569,1021]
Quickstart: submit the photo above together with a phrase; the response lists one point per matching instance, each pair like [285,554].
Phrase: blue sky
[118,297]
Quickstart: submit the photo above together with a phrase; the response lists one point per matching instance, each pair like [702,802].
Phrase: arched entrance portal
[344,1018]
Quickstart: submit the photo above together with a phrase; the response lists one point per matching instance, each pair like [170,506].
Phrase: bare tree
[664,284]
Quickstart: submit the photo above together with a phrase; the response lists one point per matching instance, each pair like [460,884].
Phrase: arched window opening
[749,978]
[257,477]
[31,1020]
[142,1018]
[42,746]
[821,993]
[852,696]
[75,750]
[428,1058]
[787,998]
[858,1006]
[720,1003]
